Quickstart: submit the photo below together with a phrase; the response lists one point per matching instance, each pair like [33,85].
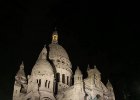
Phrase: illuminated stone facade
[51,79]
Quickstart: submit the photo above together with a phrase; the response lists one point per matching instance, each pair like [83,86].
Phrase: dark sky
[102,33]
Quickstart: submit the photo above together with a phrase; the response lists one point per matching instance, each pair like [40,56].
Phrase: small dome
[56,50]
[42,66]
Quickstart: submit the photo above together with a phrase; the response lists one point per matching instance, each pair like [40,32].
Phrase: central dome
[58,54]
[42,66]
[56,50]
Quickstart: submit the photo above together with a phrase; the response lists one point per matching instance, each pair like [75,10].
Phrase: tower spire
[21,70]
[109,83]
[78,71]
[55,36]
[20,76]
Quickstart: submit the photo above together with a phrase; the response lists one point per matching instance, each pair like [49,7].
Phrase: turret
[97,73]
[111,95]
[20,83]
[109,86]
[78,77]
[93,72]
[95,76]
[79,92]
[20,76]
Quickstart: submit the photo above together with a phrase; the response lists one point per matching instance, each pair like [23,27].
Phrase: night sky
[105,34]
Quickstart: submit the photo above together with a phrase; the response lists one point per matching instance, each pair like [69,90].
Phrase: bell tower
[79,93]
[110,90]
[20,83]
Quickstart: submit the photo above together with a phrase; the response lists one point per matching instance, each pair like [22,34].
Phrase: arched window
[58,77]
[39,83]
[46,98]
[67,80]
[21,90]
[63,78]
[79,78]
[71,80]
[46,83]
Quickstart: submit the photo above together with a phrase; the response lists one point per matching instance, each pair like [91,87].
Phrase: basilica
[51,78]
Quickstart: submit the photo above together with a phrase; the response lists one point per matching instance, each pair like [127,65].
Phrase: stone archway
[46,98]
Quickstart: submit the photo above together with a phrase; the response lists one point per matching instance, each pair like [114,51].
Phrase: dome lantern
[55,36]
